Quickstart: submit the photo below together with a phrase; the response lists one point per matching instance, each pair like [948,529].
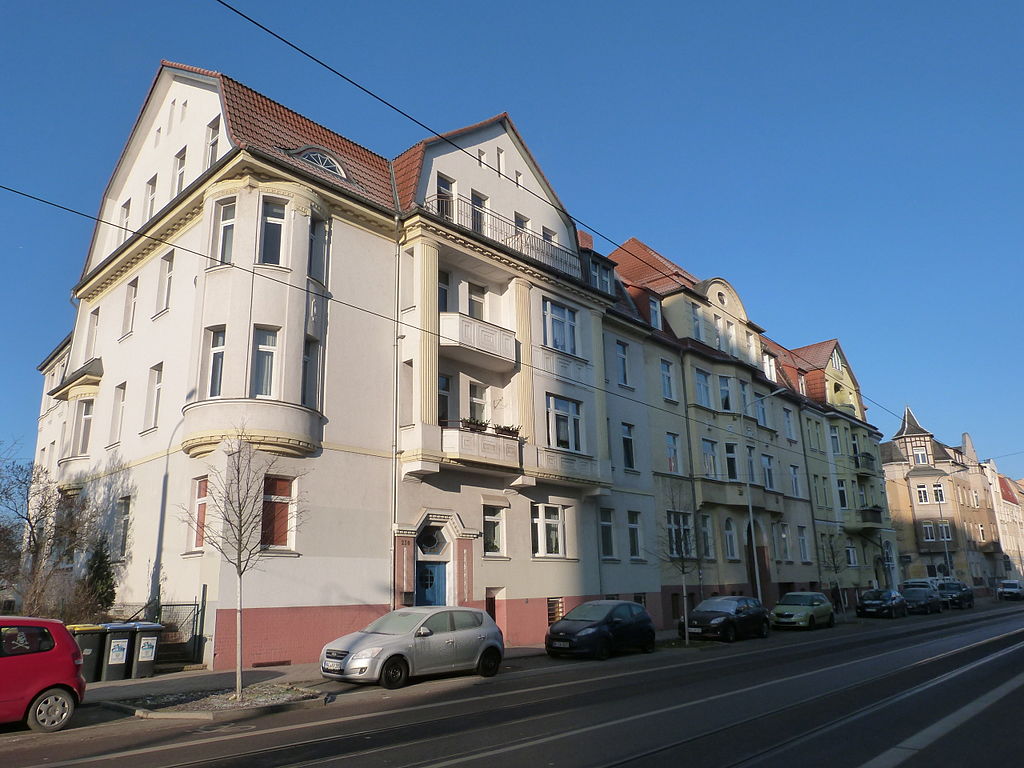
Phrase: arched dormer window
[324,161]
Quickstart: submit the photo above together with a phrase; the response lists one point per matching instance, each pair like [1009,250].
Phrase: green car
[803,609]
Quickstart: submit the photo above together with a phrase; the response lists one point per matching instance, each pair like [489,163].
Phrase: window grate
[555,610]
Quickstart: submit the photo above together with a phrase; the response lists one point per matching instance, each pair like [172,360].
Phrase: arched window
[324,161]
[730,539]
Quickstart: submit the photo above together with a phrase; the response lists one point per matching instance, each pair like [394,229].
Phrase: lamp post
[945,539]
[750,503]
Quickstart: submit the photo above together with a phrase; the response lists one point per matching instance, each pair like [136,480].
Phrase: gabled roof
[816,355]
[890,453]
[910,425]
[1006,490]
[641,265]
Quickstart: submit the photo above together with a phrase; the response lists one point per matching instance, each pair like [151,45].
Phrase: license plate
[559,644]
[695,630]
[332,666]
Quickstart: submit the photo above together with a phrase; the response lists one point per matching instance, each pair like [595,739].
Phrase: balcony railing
[864,462]
[483,343]
[486,223]
[482,447]
[871,515]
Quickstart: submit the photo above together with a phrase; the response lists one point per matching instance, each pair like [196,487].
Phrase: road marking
[928,736]
[560,686]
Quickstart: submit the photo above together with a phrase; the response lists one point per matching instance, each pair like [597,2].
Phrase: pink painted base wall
[286,635]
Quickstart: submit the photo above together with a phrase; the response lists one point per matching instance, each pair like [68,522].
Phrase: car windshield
[721,604]
[394,623]
[1010,584]
[794,599]
[874,594]
[949,587]
[588,612]
[915,592]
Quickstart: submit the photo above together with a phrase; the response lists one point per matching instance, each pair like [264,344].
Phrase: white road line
[909,747]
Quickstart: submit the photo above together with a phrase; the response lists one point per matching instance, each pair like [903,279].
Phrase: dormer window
[324,161]
[837,360]
[655,306]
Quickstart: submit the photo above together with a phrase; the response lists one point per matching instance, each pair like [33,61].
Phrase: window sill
[554,559]
[630,471]
[638,560]
[275,267]
[733,560]
[610,560]
[282,552]
[671,400]
[147,430]
[113,445]
[219,266]
[191,554]
[568,451]
[161,313]
[496,556]
[124,336]
[630,387]
[573,355]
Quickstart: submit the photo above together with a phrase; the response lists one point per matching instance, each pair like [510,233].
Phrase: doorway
[430,583]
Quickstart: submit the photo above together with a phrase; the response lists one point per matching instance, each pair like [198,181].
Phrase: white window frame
[674,528]
[655,307]
[606,517]
[731,550]
[622,362]
[928,531]
[212,139]
[920,454]
[264,355]
[844,501]
[725,392]
[225,230]
[163,301]
[311,372]
[794,477]
[732,467]
[709,458]
[117,413]
[938,493]
[545,517]
[787,423]
[697,321]
[768,470]
[559,319]
[707,536]
[571,411]
[85,411]
[702,382]
[131,300]
[634,528]
[851,554]
[92,329]
[801,539]
[784,534]
[668,389]
[672,452]
[945,531]
[269,218]
[922,494]
[151,196]
[628,446]
[153,395]
[215,380]
[478,401]
[179,169]
[494,516]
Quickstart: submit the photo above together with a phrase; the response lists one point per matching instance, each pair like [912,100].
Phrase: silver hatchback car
[424,640]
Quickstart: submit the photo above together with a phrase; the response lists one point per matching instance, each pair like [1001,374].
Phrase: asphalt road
[911,692]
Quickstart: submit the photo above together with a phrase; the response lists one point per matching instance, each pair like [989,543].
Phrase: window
[271,231]
[707,538]
[674,526]
[600,276]
[481,157]
[445,191]
[91,331]
[122,524]
[564,423]
[769,367]
[324,162]
[801,540]
[703,381]
[217,337]
[784,532]
[744,397]
[794,479]
[123,229]
[559,327]
[668,390]
[118,413]
[769,475]
[922,494]
[493,524]
[212,137]
[477,295]
[607,533]
[622,362]
[730,337]
[843,503]
[672,452]
[150,198]
[837,360]
[225,218]
[166,278]
[477,401]
[83,427]
[724,392]
[156,383]
[730,539]
[928,531]
[802,383]
[945,533]
[851,553]
[310,372]
[731,469]
[277,501]
[317,262]
[939,494]
[635,535]
[833,435]
[787,423]
[478,211]
[695,321]
[444,389]
[264,344]
[19,641]
[707,449]
[131,296]
[499,161]
[548,235]
[655,306]
[762,413]
[179,171]
[199,513]
[981,531]
[719,336]
[920,455]
[628,457]
[519,178]
[548,531]
[443,281]
[750,463]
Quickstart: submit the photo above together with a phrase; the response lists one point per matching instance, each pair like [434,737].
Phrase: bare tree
[681,548]
[832,556]
[41,530]
[233,521]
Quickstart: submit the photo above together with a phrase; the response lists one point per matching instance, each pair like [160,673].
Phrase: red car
[41,670]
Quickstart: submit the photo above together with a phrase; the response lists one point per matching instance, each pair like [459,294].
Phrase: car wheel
[394,673]
[50,710]
[763,631]
[603,651]
[831,620]
[892,613]
[554,654]
[490,662]
[940,608]
[649,644]
[811,623]
[729,634]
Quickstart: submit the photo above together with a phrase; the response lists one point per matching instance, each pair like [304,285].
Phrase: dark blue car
[599,628]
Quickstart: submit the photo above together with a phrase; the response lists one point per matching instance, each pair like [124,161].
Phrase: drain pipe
[396,363]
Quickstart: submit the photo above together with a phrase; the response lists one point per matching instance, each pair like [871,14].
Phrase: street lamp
[750,503]
[945,539]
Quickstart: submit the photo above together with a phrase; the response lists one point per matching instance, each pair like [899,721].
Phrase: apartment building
[942,507]
[1006,502]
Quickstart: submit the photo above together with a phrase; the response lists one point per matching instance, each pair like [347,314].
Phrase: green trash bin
[90,639]
[116,661]
[143,653]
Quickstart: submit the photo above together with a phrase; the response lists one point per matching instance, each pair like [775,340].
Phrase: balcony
[568,467]
[864,463]
[871,515]
[274,426]
[477,342]
[497,228]
[867,517]
[481,447]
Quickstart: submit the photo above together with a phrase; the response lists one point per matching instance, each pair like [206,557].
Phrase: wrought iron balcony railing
[486,223]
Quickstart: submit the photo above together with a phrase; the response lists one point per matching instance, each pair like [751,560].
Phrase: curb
[217,714]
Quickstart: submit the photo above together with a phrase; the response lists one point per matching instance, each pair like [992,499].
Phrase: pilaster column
[426,253]
[524,377]
[600,396]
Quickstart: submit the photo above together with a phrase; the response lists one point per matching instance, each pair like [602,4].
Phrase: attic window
[721,298]
[324,161]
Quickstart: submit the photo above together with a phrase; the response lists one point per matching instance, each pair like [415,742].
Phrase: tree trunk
[238,641]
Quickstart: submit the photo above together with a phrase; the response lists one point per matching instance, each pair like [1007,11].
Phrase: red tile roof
[1006,490]
[641,265]
[585,240]
[816,355]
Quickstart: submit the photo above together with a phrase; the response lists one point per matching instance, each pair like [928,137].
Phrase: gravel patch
[258,695]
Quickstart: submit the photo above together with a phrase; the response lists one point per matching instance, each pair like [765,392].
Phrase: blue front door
[430,584]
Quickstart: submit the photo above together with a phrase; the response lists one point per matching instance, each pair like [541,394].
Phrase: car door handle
[481,637]
[449,642]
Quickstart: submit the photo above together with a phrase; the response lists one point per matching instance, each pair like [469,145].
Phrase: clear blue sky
[854,169]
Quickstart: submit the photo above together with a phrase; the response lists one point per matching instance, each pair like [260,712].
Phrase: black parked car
[956,594]
[599,628]
[922,600]
[728,618]
[882,602]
